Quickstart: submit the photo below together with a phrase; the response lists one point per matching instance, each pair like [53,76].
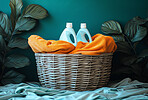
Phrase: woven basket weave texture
[73,71]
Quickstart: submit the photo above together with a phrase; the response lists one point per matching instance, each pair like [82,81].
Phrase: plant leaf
[1,58]
[2,44]
[140,34]
[35,11]
[139,20]
[24,24]
[129,60]
[111,27]
[4,24]
[16,6]
[134,30]
[143,53]
[137,70]
[145,70]
[146,19]
[17,61]
[124,47]
[19,43]
[12,77]
[118,37]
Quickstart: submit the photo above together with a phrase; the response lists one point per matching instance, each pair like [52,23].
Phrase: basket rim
[50,54]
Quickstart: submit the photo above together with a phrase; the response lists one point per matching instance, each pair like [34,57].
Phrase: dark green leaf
[1,58]
[2,32]
[4,24]
[146,24]
[146,65]
[111,27]
[17,61]
[16,6]
[24,24]
[140,59]
[2,43]
[124,47]
[118,37]
[129,60]
[139,20]
[137,70]
[122,70]
[143,53]
[146,19]
[145,71]
[35,11]
[135,45]
[12,77]
[19,43]
[134,30]
[140,34]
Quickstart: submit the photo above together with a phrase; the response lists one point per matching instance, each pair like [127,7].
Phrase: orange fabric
[100,44]
[40,45]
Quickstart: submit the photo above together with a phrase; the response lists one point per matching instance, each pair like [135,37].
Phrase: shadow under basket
[73,71]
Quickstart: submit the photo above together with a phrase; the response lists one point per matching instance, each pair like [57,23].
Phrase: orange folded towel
[100,44]
[40,45]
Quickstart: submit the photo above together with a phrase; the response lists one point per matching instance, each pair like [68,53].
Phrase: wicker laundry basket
[73,71]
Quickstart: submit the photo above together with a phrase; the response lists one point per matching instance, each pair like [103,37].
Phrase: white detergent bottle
[81,34]
[65,36]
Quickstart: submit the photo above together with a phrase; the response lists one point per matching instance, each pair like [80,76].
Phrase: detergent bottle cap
[69,25]
[83,25]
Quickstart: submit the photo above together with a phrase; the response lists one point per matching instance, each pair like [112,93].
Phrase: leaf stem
[130,43]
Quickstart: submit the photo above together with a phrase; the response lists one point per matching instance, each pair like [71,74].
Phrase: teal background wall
[93,12]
